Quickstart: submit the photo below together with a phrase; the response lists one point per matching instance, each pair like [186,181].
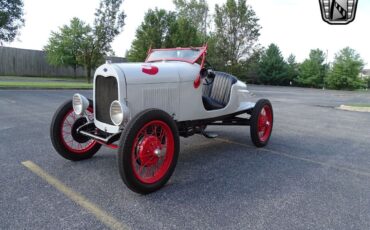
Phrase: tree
[252,67]
[162,29]
[195,11]
[151,33]
[236,30]
[312,71]
[273,69]
[81,44]
[11,19]
[108,23]
[346,69]
[292,69]
[182,33]
[218,62]
[64,47]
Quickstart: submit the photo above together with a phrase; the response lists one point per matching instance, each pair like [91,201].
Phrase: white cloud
[295,26]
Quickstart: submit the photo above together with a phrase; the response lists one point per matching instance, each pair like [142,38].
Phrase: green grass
[22,82]
[360,105]
[44,85]
[31,79]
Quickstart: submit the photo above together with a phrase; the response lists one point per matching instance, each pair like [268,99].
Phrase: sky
[295,26]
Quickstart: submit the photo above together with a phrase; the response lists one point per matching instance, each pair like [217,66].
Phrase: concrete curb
[355,108]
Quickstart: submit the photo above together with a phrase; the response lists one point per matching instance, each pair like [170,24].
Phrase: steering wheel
[207,74]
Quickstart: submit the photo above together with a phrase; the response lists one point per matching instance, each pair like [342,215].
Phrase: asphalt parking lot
[314,174]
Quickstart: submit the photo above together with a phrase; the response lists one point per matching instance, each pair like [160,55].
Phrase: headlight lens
[79,103]
[116,113]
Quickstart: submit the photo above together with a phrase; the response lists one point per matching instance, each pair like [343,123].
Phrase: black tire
[256,139]
[57,139]
[128,142]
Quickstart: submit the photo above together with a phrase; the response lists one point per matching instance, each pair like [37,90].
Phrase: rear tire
[148,152]
[63,135]
[262,120]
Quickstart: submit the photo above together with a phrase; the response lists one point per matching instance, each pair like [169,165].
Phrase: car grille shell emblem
[338,12]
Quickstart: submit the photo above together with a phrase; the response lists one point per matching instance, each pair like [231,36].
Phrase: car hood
[158,72]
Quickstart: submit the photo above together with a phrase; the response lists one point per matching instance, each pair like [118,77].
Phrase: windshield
[179,54]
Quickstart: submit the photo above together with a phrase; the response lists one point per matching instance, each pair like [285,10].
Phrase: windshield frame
[202,50]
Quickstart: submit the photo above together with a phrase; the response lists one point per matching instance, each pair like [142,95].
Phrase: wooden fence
[23,62]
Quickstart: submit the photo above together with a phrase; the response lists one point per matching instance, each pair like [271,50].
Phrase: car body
[173,89]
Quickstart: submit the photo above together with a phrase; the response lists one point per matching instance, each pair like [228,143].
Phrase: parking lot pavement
[314,174]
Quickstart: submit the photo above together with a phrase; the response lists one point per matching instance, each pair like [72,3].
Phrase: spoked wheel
[262,120]
[64,137]
[148,151]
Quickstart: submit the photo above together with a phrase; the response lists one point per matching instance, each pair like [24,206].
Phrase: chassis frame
[185,128]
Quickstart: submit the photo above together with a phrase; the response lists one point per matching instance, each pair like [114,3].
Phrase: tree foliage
[182,33]
[162,29]
[196,12]
[11,19]
[108,23]
[346,69]
[81,44]
[273,68]
[312,71]
[236,30]
[292,69]
[152,32]
[64,47]
[248,69]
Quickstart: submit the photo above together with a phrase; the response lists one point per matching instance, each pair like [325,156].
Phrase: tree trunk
[88,76]
[75,71]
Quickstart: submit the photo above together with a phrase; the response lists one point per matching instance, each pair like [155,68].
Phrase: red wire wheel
[152,152]
[74,142]
[64,137]
[262,119]
[148,151]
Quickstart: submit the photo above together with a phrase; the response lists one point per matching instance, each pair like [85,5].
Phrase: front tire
[262,120]
[148,152]
[64,137]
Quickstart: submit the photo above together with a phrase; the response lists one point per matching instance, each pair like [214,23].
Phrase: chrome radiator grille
[106,91]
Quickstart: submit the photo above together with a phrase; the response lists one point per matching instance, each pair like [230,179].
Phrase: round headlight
[79,103]
[116,113]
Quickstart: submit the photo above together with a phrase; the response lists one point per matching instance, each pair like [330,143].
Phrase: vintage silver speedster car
[142,109]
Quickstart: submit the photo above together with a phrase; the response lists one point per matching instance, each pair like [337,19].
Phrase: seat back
[220,89]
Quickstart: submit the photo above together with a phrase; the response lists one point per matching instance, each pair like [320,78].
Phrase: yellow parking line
[352,171]
[100,214]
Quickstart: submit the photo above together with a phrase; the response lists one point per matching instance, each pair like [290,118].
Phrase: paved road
[315,173]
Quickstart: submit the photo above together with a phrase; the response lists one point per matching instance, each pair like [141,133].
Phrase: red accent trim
[180,48]
[150,50]
[151,70]
[203,51]
[112,146]
[265,123]
[147,165]
[172,59]
[202,54]
[197,81]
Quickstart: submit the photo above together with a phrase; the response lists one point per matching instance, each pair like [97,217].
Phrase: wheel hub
[76,136]
[150,150]
[264,123]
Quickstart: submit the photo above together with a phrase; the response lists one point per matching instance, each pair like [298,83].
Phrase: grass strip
[360,105]
[45,85]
